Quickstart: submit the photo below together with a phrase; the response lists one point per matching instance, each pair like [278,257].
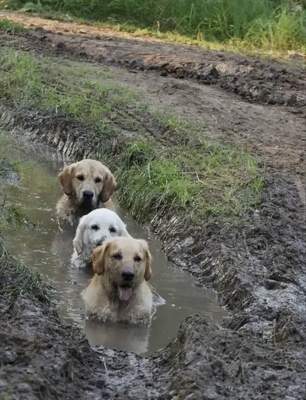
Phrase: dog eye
[137,259]
[80,177]
[95,227]
[98,180]
[117,256]
[112,229]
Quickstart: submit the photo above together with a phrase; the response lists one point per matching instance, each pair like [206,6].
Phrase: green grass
[161,161]
[27,81]
[212,180]
[11,216]
[284,32]
[10,26]
[269,24]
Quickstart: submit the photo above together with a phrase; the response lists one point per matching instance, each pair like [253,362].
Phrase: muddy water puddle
[33,237]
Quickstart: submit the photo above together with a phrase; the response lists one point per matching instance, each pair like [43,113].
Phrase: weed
[17,279]
[277,24]
[10,26]
[283,32]
[212,180]
[158,183]
[138,154]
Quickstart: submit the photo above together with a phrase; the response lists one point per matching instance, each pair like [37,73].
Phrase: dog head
[96,227]
[124,264]
[88,182]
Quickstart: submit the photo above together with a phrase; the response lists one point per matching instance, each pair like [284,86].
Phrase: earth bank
[42,358]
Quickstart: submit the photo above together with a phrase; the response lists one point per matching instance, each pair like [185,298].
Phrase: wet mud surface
[258,270]
[257,267]
[41,358]
[274,130]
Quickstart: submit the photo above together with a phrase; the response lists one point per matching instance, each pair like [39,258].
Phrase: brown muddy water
[33,190]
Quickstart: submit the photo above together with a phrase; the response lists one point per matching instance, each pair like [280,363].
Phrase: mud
[42,358]
[257,266]
[276,133]
[253,79]
[208,363]
[258,270]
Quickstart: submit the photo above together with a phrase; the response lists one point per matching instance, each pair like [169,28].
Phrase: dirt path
[256,80]
[258,268]
[259,104]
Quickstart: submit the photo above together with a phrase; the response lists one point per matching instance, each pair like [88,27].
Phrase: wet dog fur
[119,291]
[87,185]
[92,231]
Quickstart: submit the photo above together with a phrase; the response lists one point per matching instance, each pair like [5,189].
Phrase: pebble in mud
[8,357]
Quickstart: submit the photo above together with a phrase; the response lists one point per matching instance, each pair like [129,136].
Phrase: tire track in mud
[256,80]
[276,133]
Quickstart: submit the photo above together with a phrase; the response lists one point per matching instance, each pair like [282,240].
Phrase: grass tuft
[18,280]
[212,180]
[158,183]
[138,154]
[10,26]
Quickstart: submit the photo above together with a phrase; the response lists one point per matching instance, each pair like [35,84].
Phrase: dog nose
[127,275]
[87,194]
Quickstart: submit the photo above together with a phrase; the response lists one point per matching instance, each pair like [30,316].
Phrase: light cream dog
[93,230]
[87,185]
[119,291]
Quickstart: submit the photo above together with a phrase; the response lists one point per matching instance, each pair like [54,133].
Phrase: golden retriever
[119,291]
[87,185]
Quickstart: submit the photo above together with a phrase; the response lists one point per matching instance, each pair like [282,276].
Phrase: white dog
[93,229]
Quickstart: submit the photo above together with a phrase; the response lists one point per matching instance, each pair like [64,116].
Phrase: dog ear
[148,261]
[109,186]
[65,178]
[78,239]
[98,258]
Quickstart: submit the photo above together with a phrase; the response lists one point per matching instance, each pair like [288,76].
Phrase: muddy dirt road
[260,104]
[258,269]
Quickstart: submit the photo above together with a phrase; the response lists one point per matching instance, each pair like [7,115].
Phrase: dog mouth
[125,293]
[87,205]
